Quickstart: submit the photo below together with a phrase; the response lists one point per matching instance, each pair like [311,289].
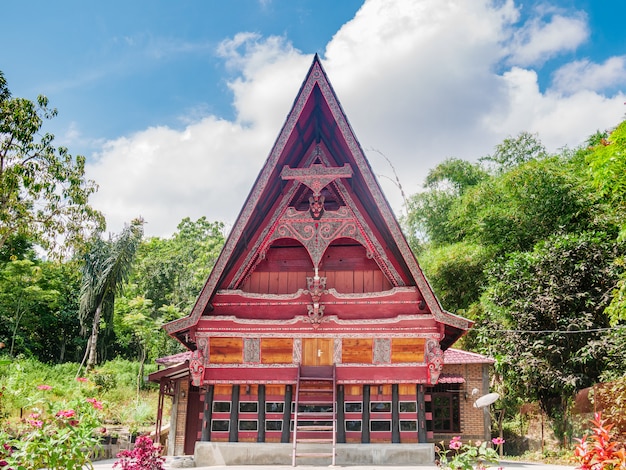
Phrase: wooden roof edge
[177,370]
[244,214]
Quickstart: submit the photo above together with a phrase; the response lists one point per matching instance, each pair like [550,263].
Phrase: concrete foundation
[252,453]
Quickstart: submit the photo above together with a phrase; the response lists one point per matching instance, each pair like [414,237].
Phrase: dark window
[408,407]
[273,425]
[353,406]
[380,407]
[221,407]
[220,425]
[446,412]
[248,407]
[353,425]
[406,425]
[380,426]
[248,425]
[274,407]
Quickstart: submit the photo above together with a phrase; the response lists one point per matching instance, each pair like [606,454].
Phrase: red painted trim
[375,374]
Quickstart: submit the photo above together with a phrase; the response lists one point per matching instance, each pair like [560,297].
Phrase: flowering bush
[61,436]
[5,453]
[459,456]
[146,455]
[600,450]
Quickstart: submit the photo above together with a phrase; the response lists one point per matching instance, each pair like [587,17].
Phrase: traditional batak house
[316,330]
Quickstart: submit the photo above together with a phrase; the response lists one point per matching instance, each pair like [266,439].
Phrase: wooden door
[317,351]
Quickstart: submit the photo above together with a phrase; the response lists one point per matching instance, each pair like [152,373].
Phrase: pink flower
[65,414]
[73,422]
[455,443]
[34,415]
[36,423]
[95,403]
[44,387]
[82,379]
[497,441]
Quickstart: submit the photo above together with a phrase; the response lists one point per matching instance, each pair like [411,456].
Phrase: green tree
[428,212]
[606,160]
[547,309]
[55,336]
[172,271]
[43,191]
[24,293]
[106,267]
[528,203]
[514,151]
[456,272]
[135,321]
[531,244]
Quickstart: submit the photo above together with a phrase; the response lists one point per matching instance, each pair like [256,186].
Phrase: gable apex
[316,173]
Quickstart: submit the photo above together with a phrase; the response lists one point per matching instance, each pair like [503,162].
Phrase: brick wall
[475,422]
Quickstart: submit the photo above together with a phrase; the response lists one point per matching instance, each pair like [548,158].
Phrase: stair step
[315,403]
[314,454]
[314,428]
[315,414]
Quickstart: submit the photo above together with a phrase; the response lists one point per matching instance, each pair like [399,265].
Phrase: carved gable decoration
[316,178]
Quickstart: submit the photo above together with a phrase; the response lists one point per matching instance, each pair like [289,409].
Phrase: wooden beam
[207,414]
[233,435]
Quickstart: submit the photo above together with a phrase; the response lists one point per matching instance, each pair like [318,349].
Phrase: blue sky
[116,67]
[177,104]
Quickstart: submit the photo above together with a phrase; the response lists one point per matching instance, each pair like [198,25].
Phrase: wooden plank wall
[346,268]
[229,350]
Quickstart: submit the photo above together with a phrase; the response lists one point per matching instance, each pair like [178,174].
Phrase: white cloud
[537,41]
[586,75]
[164,175]
[417,80]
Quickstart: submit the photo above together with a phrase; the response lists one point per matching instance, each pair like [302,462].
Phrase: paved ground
[108,465]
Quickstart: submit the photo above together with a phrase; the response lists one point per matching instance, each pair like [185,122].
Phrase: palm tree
[106,267]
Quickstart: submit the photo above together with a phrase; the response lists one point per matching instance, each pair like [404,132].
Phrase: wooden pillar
[365,426]
[207,414]
[341,418]
[261,429]
[284,437]
[233,435]
[421,415]
[395,414]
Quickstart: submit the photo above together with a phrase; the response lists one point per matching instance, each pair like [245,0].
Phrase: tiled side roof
[458,356]
[174,359]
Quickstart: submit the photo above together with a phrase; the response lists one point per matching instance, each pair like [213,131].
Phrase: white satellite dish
[486,400]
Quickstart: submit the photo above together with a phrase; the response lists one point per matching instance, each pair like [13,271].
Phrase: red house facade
[316,326]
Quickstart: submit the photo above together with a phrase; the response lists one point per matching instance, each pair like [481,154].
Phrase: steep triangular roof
[317,133]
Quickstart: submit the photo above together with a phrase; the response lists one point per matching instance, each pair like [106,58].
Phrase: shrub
[146,455]
[599,450]
[57,436]
[459,456]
